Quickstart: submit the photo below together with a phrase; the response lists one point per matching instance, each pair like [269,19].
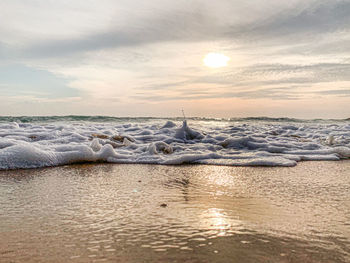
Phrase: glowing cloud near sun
[215,60]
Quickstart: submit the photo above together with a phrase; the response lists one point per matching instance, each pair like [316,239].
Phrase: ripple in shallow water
[131,212]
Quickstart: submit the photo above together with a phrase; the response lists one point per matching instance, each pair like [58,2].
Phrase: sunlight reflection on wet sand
[191,213]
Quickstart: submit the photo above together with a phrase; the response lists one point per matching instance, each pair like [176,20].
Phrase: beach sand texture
[188,213]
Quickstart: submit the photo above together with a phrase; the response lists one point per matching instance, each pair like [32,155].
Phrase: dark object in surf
[100,136]
[120,138]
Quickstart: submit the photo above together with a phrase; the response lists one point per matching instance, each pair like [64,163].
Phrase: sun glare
[215,60]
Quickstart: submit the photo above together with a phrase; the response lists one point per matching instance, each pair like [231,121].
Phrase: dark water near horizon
[79,118]
[191,213]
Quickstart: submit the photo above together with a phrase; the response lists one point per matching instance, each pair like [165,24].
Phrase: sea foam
[35,144]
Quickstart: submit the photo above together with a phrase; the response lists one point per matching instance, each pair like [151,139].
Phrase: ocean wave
[32,142]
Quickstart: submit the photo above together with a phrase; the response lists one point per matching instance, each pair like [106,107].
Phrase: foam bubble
[31,145]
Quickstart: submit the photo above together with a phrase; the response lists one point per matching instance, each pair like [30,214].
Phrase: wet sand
[190,213]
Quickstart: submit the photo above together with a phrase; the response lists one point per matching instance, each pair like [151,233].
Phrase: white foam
[186,133]
[32,145]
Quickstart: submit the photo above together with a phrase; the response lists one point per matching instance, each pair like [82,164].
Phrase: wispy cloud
[200,24]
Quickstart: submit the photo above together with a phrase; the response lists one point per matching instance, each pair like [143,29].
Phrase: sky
[145,58]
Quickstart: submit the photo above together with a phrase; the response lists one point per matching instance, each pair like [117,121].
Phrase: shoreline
[172,165]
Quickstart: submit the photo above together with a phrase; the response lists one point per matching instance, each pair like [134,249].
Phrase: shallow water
[149,213]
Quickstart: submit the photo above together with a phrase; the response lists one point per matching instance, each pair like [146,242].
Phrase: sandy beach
[188,213]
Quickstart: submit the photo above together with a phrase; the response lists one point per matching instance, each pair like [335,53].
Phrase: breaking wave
[31,142]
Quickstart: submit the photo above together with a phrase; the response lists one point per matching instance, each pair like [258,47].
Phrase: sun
[216,60]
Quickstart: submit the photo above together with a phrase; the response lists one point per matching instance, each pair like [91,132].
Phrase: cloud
[186,26]
[312,73]
[274,93]
[318,17]
[262,75]
[201,24]
[337,92]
